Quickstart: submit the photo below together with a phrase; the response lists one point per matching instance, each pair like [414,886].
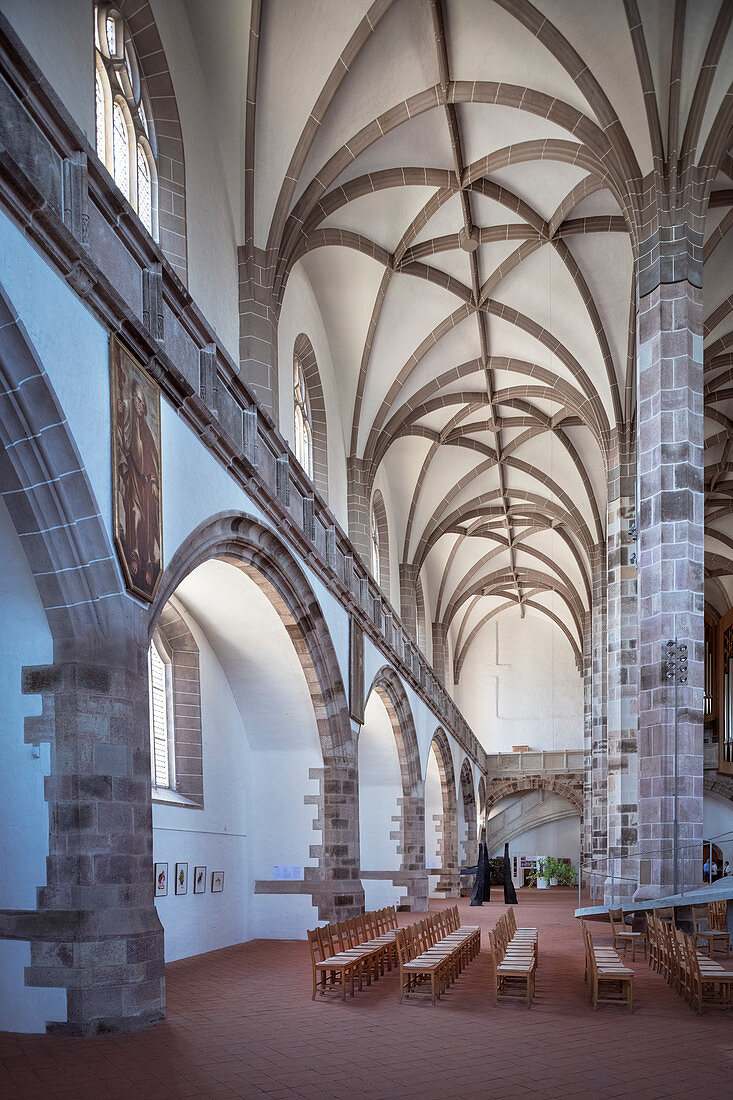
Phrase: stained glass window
[120,150]
[375,547]
[144,190]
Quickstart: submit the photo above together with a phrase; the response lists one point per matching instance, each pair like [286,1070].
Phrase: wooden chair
[416,969]
[706,932]
[610,981]
[623,935]
[327,969]
[514,976]
[707,982]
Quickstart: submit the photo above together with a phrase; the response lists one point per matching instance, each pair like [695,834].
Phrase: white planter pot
[542,884]
[553,882]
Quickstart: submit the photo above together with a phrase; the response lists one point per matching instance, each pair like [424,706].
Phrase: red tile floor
[241,1023]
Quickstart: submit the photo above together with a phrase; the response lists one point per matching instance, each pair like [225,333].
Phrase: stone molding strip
[36,138]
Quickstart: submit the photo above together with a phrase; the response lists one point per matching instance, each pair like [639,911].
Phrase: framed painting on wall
[136,465]
[161,880]
[217,882]
[199,880]
[181,878]
[356,671]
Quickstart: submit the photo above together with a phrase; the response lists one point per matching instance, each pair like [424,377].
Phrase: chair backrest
[391,916]
[718,915]
[614,916]
[314,943]
[700,917]
[328,940]
[665,914]
[342,932]
[511,920]
[403,954]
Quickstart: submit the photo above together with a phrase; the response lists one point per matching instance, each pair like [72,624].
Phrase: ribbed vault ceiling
[460,181]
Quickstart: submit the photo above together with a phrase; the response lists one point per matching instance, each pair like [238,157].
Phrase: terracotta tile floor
[241,1023]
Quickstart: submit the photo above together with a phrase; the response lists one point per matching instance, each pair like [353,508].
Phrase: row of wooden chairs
[698,978]
[346,952]
[433,952]
[608,980]
[515,953]
[623,935]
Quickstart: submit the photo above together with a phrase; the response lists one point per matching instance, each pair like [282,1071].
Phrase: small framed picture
[161,880]
[181,878]
[199,880]
[217,882]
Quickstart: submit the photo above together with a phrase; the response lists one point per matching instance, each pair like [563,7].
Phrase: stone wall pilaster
[357,501]
[335,884]
[408,597]
[102,941]
[258,361]
[441,654]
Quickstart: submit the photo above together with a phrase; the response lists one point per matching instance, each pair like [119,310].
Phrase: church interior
[366,414]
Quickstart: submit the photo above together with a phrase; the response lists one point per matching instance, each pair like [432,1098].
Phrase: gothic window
[379,542]
[375,546]
[302,414]
[125,134]
[162,749]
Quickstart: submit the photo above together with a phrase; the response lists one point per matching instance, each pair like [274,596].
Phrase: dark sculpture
[510,894]
[482,882]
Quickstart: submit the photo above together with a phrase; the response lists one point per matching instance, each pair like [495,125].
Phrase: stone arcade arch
[467,819]
[243,542]
[96,687]
[439,773]
[409,819]
[568,787]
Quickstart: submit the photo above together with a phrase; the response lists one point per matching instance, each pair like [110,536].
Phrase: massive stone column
[621,678]
[670,519]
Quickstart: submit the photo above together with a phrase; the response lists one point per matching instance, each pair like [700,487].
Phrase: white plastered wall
[519,686]
[300,313]
[380,787]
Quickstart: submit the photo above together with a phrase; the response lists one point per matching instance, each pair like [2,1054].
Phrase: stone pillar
[621,679]
[408,597]
[335,884]
[410,837]
[357,502]
[97,932]
[441,654]
[446,825]
[258,328]
[670,547]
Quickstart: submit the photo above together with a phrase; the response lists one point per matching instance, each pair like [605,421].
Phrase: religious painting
[136,478]
[199,880]
[356,671]
[217,882]
[161,880]
[181,878]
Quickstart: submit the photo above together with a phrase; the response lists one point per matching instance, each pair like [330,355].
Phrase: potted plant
[553,870]
[568,875]
[541,877]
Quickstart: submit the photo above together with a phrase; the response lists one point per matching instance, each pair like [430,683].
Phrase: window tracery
[302,419]
[125,133]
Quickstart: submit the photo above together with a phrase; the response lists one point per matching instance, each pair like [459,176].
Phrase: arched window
[304,353]
[374,538]
[125,134]
[302,414]
[379,542]
[162,747]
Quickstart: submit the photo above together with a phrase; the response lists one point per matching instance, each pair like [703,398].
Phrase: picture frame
[136,472]
[217,882]
[199,880]
[181,878]
[160,880]
[356,670]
